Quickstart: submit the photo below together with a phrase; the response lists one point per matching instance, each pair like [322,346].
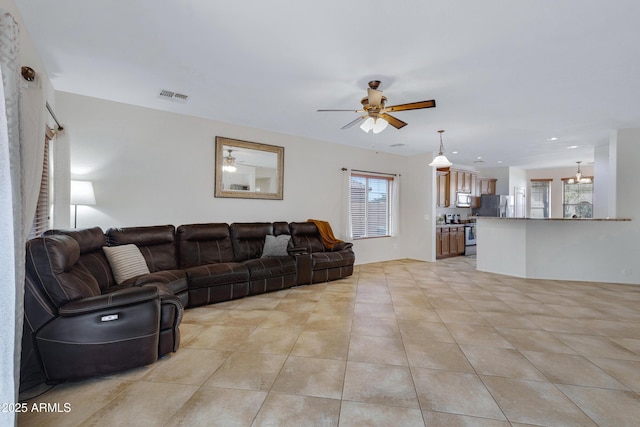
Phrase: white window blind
[370,206]
[41,220]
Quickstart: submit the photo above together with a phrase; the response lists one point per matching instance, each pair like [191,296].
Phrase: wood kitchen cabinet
[487,186]
[442,198]
[442,242]
[449,241]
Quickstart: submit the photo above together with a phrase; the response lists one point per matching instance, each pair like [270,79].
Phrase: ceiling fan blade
[411,106]
[358,120]
[353,111]
[396,123]
[374,96]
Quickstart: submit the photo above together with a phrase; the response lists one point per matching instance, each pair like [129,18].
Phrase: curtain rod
[378,173]
[53,115]
[29,74]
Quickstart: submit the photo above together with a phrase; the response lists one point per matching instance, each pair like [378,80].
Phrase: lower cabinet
[449,241]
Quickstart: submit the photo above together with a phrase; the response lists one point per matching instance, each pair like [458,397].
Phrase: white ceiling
[506,75]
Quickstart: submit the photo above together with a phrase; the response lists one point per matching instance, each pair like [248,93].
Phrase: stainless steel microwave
[463,199]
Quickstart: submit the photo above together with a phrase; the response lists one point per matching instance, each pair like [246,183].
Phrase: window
[577,199]
[370,205]
[540,198]
[41,220]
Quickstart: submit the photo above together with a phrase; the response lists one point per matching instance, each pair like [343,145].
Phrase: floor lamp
[81,194]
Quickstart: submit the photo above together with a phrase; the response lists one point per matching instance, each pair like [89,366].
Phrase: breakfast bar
[593,250]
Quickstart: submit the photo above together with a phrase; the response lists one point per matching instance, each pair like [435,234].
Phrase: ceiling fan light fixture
[367,125]
[440,161]
[229,163]
[379,125]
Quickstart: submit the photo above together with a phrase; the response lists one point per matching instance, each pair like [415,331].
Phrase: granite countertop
[557,219]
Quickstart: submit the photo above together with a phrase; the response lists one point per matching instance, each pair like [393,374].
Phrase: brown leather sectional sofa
[79,322]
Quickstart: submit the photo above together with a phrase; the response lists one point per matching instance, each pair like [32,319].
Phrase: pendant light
[440,161]
[579,179]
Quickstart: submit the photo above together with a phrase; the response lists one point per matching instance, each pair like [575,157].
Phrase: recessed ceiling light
[553,138]
[454,152]
[499,161]
[571,147]
[479,157]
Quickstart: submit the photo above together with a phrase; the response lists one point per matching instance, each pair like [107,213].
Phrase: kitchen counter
[557,219]
[592,250]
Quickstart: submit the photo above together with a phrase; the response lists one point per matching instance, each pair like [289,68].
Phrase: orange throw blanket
[326,233]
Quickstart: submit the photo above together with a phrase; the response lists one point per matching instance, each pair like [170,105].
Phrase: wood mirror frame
[258,174]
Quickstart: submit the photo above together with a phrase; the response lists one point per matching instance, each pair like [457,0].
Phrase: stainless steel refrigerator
[500,205]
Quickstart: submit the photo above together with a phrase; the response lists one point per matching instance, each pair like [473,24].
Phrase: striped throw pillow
[126,261]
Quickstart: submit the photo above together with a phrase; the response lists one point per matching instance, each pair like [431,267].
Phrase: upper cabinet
[451,181]
[487,186]
[442,188]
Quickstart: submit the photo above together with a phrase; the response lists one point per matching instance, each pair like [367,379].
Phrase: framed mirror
[248,170]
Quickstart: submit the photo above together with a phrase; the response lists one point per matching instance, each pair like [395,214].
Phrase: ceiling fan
[376,115]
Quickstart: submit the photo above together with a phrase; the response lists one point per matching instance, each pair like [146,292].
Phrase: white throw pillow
[276,245]
[126,261]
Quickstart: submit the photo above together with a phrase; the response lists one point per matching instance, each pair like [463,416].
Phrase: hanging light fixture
[579,179]
[377,125]
[229,163]
[440,161]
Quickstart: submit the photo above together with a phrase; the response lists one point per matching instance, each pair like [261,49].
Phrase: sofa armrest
[297,251]
[342,246]
[115,299]
[171,300]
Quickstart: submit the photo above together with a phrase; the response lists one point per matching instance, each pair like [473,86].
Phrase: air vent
[173,96]
[397,145]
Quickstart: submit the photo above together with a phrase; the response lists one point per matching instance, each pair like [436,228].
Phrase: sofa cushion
[276,245]
[324,260]
[204,244]
[262,268]
[217,274]
[306,235]
[92,257]
[248,239]
[53,261]
[126,262]
[156,243]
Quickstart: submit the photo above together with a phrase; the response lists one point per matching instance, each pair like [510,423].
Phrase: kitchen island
[593,250]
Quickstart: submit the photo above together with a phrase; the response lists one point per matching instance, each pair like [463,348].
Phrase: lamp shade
[82,193]
[367,125]
[440,162]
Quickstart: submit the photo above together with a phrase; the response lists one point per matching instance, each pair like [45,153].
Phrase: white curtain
[21,155]
[346,202]
[394,208]
[11,260]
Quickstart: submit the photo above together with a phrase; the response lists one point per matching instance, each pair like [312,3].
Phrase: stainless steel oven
[470,239]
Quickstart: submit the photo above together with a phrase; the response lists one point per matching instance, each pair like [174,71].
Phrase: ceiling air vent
[173,96]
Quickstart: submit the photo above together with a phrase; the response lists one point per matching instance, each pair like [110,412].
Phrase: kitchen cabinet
[442,242]
[442,188]
[451,181]
[449,241]
[487,186]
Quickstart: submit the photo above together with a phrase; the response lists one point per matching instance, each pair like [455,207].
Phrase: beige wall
[152,167]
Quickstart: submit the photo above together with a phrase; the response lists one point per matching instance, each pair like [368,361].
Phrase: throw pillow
[276,245]
[126,261]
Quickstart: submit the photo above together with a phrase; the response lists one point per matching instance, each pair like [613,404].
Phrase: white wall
[152,167]
[601,184]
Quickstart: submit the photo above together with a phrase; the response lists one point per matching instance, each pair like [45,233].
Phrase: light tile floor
[402,343]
